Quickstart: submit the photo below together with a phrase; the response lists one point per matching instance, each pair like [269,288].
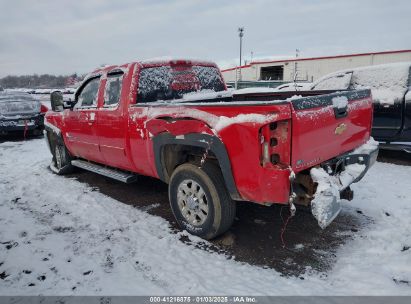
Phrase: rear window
[172,82]
[336,82]
[15,97]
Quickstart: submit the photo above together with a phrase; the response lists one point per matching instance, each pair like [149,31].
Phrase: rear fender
[177,126]
[204,141]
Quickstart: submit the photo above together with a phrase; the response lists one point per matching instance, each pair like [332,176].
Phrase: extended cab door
[112,123]
[388,99]
[81,122]
[387,119]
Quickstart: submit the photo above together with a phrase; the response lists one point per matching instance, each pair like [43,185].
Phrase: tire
[61,160]
[200,201]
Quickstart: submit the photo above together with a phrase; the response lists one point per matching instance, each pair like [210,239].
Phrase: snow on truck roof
[399,67]
[161,61]
[388,82]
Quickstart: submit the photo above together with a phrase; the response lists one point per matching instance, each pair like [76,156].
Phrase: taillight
[43,108]
[275,144]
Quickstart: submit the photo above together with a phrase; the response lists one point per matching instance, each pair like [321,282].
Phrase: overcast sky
[62,37]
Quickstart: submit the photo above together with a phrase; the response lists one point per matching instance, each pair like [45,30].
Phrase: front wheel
[200,201]
[61,160]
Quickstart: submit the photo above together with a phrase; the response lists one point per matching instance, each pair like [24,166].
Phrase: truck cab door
[81,122]
[112,123]
[387,119]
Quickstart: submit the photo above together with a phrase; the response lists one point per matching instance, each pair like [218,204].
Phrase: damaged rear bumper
[334,177]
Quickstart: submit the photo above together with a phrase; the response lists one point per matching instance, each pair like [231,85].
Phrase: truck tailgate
[326,126]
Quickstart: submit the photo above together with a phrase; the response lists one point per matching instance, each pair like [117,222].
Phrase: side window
[88,95]
[112,92]
[337,82]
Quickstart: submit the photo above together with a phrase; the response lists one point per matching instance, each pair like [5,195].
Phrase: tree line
[39,81]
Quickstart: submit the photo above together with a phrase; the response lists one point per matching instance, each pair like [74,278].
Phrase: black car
[20,113]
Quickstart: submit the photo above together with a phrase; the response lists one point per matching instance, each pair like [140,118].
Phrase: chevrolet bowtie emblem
[340,129]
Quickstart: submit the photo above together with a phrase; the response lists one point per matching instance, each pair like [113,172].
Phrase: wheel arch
[171,151]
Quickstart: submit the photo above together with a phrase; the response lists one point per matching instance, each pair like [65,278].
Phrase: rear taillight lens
[43,108]
[275,144]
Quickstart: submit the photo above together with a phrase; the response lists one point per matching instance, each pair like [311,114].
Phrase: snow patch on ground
[61,237]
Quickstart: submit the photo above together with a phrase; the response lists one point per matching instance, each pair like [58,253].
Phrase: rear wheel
[199,200]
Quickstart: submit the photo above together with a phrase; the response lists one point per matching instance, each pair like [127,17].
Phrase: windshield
[172,82]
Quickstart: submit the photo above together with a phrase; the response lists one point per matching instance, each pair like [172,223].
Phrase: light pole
[240,34]
[297,53]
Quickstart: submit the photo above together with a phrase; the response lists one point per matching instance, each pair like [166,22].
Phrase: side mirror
[57,103]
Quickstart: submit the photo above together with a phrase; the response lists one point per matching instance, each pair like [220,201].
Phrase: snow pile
[340,102]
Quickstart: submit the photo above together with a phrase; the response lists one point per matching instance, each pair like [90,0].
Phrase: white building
[310,69]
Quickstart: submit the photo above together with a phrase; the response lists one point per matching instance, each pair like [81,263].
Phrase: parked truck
[175,121]
[390,85]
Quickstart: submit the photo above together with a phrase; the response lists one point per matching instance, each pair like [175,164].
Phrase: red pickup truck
[174,120]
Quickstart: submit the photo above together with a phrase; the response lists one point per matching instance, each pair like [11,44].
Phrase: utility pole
[241,34]
[297,53]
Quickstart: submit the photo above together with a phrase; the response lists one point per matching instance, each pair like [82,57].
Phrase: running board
[121,176]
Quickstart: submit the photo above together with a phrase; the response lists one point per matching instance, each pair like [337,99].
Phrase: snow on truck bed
[66,238]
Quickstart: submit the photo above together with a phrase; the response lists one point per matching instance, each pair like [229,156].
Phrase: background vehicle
[291,86]
[390,86]
[174,120]
[21,112]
